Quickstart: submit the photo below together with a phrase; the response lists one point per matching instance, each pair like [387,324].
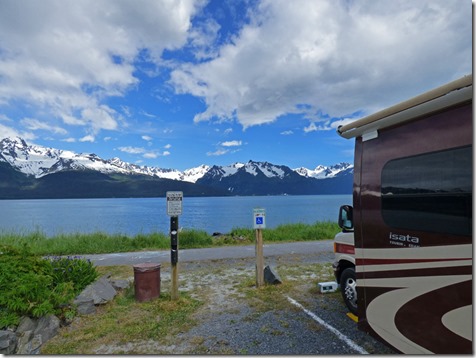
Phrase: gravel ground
[230,322]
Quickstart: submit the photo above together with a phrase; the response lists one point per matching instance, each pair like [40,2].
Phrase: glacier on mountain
[323,172]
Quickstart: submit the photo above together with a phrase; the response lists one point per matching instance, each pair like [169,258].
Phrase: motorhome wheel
[348,286]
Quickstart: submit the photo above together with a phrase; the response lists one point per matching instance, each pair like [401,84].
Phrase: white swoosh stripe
[431,252]
[457,322]
[382,310]
[414,265]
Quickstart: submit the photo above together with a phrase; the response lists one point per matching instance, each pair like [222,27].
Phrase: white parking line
[339,335]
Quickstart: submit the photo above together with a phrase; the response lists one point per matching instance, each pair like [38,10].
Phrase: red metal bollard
[146,281]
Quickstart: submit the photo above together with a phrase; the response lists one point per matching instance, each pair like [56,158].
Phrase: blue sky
[180,83]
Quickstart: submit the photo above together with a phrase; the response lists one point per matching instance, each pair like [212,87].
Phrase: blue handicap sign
[259,218]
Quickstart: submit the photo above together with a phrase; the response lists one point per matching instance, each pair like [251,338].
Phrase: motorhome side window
[430,192]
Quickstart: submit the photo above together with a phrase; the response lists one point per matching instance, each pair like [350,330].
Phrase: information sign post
[259,223]
[174,209]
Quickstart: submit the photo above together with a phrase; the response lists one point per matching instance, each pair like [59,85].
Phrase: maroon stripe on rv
[426,311]
[369,262]
[434,271]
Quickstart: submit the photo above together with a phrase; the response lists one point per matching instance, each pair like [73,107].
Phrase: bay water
[131,216]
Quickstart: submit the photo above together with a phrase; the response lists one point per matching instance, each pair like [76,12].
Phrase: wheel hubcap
[350,291]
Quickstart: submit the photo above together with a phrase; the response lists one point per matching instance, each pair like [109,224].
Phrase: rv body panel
[412,212]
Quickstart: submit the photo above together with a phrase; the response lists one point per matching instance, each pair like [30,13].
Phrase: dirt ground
[235,320]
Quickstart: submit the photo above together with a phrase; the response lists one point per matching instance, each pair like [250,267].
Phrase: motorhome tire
[348,286]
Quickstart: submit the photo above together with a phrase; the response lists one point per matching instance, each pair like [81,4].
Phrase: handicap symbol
[259,220]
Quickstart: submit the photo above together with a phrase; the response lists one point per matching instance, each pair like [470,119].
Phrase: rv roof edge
[435,99]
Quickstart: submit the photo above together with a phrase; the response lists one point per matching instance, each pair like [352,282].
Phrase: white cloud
[6,131]
[224,148]
[335,57]
[328,125]
[232,143]
[87,138]
[144,113]
[132,150]
[147,138]
[288,132]
[66,57]
[150,155]
[218,152]
[142,151]
[35,124]
[67,63]
[313,127]
[100,117]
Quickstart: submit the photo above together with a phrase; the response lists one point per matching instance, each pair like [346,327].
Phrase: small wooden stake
[259,258]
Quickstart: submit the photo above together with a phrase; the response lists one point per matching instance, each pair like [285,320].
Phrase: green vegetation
[125,320]
[125,326]
[33,286]
[324,230]
[98,243]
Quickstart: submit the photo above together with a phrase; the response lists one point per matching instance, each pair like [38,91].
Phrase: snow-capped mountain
[193,174]
[322,172]
[40,161]
[32,171]
[253,168]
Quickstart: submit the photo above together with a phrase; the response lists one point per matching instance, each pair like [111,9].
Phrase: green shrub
[78,271]
[33,286]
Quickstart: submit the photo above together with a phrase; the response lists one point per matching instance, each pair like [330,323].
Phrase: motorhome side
[412,221]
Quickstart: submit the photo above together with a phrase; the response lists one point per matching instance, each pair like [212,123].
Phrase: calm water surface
[144,215]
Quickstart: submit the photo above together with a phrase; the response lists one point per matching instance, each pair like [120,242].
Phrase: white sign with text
[174,203]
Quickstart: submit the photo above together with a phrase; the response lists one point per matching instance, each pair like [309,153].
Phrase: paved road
[308,248]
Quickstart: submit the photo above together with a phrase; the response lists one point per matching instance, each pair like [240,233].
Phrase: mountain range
[32,171]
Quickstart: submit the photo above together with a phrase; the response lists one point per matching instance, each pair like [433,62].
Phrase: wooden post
[174,255]
[259,258]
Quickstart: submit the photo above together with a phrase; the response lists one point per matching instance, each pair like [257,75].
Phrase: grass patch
[323,230]
[124,320]
[100,243]
[74,244]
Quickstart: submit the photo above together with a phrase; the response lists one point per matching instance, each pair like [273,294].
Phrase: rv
[404,258]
